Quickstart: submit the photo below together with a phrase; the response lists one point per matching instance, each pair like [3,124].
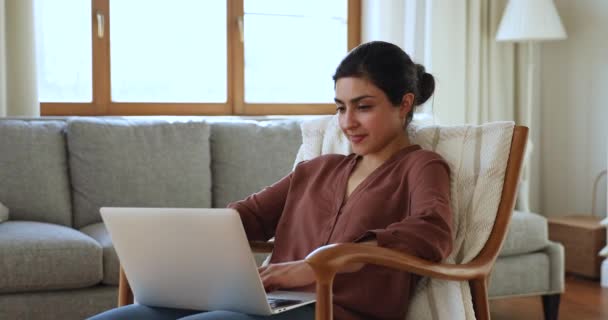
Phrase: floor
[584,299]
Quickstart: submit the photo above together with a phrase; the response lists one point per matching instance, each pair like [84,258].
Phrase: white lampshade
[530,20]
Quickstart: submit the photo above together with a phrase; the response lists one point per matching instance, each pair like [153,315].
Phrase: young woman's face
[367,117]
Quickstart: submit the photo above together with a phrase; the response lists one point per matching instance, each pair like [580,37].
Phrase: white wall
[2,58]
[19,88]
[574,109]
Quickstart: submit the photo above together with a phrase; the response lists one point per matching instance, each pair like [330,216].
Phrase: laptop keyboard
[277,303]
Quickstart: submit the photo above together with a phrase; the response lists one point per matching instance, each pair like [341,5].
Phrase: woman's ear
[407,103]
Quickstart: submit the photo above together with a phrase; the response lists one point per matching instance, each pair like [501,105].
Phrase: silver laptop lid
[196,259]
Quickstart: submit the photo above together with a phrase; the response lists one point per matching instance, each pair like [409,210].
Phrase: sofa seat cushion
[137,163]
[111,264]
[34,171]
[38,256]
[527,233]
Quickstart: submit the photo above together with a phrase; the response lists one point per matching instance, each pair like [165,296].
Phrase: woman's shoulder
[424,154]
[423,157]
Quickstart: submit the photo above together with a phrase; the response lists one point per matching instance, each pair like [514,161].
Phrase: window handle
[240,23]
[101,24]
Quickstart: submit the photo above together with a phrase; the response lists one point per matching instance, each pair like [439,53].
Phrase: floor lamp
[529,21]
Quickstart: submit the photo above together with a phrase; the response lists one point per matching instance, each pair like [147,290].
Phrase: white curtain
[401,22]
[492,78]
[490,67]
[479,79]
[18,86]
[404,23]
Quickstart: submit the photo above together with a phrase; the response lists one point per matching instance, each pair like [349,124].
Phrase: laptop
[197,259]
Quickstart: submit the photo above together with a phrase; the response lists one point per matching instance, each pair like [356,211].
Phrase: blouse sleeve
[260,212]
[427,231]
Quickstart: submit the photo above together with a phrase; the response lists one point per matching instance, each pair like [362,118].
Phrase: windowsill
[419,116]
[179,118]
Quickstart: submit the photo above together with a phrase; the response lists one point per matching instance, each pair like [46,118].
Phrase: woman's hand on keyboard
[286,275]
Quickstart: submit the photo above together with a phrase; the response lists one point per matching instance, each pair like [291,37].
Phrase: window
[147,57]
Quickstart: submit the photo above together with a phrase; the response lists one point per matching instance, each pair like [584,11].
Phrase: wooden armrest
[125,295]
[327,260]
[261,246]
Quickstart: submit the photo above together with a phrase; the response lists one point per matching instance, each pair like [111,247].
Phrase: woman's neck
[371,161]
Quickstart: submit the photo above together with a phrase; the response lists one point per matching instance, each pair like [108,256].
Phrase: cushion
[3,213]
[111,264]
[76,304]
[146,163]
[527,233]
[250,155]
[528,273]
[477,156]
[33,171]
[41,256]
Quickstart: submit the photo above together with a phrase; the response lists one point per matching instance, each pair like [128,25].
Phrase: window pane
[168,51]
[63,50]
[292,49]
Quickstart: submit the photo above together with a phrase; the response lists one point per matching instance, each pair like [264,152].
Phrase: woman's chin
[359,150]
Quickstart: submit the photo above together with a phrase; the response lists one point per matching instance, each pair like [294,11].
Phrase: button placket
[340,196]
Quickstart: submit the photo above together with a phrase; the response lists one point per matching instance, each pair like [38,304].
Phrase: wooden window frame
[102,105]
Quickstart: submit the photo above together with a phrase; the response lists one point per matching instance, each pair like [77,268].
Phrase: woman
[388,193]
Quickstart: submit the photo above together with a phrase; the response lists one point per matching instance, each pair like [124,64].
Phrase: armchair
[327,260]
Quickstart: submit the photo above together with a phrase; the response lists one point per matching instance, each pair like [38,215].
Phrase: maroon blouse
[404,204]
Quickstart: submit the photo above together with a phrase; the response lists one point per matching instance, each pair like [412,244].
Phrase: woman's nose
[349,119]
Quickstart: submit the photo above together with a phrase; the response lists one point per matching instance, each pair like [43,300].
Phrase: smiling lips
[357,138]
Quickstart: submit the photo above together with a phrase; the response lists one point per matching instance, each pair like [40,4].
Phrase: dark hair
[389,68]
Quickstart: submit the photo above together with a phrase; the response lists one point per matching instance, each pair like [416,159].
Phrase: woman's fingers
[269,281]
[266,270]
[285,275]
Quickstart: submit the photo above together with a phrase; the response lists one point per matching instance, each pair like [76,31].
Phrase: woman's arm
[427,230]
[261,211]
[296,274]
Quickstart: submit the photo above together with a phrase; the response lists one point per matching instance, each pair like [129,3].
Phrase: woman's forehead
[354,86]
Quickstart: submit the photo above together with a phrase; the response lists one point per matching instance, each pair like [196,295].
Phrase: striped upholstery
[477,156]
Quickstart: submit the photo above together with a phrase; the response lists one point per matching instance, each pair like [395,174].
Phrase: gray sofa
[56,259]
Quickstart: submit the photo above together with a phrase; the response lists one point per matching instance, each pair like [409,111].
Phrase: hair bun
[426,84]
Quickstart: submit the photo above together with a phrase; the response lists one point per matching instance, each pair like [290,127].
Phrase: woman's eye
[340,109]
[363,107]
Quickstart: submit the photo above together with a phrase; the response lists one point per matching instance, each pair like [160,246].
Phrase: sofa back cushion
[34,182]
[250,155]
[144,163]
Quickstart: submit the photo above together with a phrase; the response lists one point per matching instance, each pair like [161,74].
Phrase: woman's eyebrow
[354,100]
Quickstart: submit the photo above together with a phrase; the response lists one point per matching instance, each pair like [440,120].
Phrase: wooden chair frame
[326,261]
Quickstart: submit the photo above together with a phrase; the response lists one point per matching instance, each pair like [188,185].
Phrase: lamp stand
[523,196]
